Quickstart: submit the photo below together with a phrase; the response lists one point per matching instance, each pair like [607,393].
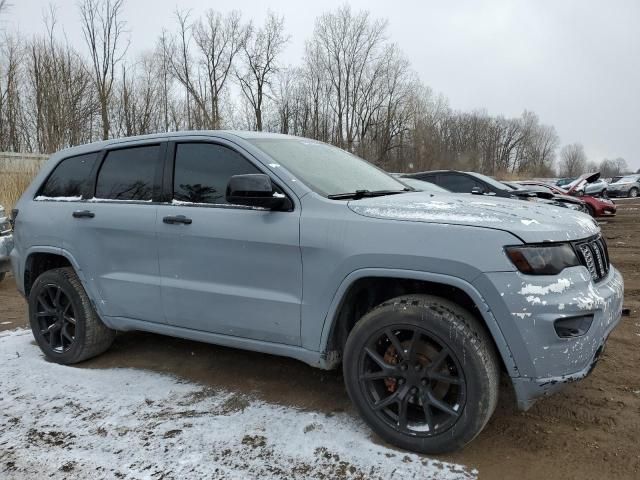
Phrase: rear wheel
[633,193]
[2,275]
[63,321]
[591,210]
[423,373]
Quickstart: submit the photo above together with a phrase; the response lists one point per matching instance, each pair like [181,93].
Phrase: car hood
[532,222]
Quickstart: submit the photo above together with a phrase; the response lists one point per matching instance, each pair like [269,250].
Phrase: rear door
[225,268]
[113,234]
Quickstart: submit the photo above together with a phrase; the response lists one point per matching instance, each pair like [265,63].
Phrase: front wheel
[633,193]
[2,275]
[423,373]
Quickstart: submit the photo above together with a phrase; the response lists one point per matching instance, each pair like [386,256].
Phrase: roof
[228,134]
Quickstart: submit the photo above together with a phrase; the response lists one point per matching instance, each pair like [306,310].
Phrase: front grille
[594,255]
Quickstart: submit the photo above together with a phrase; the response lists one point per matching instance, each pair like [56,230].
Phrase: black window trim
[158,175]
[55,167]
[166,196]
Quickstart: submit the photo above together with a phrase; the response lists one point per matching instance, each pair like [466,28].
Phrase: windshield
[628,179]
[325,169]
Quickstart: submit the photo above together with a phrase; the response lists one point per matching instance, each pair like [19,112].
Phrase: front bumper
[526,312]
[6,245]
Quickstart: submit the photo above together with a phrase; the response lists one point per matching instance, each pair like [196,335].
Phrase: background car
[562,199]
[595,187]
[422,185]
[562,182]
[627,186]
[466,182]
[479,184]
[596,206]
[6,243]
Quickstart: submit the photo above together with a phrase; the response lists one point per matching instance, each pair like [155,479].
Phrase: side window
[457,183]
[202,172]
[129,173]
[70,178]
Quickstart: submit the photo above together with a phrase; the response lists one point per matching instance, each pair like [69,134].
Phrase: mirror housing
[255,190]
[477,191]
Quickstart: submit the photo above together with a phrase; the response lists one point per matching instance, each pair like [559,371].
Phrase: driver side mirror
[255,190]
[477,191]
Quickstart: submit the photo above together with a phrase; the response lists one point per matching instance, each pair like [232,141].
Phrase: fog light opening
[572,327]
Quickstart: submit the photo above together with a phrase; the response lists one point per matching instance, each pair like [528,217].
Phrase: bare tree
[103,31]
[346,46]
[62,102]
[573,160]
[218,39]
[261,50]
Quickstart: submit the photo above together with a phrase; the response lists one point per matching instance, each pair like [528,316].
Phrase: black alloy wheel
[413,381]
[56,318]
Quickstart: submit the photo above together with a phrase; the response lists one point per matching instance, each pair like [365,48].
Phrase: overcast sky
[576,63]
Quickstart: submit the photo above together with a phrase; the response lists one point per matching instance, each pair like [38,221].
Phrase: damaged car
[6,243]
[289,246]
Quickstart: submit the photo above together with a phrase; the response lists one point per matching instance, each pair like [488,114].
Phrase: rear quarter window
[70,178]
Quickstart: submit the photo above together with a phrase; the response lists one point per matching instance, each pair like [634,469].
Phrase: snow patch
[122,422]
[44,198]
[529,222]
[557,287]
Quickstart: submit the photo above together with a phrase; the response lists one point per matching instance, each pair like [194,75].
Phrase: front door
[226,269]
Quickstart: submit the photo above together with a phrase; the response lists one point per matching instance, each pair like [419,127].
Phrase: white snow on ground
[74,422]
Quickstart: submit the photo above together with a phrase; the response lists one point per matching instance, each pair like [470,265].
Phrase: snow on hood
[531,221]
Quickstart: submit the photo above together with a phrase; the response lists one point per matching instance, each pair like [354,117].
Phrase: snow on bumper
[532,306]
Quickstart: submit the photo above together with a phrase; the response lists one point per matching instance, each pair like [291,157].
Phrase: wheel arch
[340,319]
[39,259]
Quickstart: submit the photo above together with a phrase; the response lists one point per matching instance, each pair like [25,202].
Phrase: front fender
[465,286]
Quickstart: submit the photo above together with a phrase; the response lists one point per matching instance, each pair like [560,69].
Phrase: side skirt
[314,359]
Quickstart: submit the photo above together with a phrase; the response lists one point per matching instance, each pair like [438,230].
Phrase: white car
[6,243]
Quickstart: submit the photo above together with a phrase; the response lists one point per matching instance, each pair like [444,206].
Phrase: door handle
[172,220]
[83,214]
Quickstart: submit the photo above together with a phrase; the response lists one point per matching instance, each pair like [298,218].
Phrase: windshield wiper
[358,194]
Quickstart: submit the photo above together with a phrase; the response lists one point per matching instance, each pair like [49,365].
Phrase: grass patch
[15,177]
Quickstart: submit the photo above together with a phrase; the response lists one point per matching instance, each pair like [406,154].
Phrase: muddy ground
[589,430]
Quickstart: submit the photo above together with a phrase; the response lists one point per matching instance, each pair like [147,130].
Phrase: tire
[56,298]
[633,193]
[468,357]
[591,211]
[2,275]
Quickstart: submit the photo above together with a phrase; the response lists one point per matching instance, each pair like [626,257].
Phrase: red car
[597,206]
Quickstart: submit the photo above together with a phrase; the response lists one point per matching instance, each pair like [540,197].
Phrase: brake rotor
[424,354]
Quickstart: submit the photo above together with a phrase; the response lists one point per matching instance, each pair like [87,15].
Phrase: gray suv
[292,247]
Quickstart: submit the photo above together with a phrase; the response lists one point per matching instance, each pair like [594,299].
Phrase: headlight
[542,259]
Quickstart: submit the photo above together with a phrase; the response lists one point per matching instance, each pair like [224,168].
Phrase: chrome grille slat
[593,254]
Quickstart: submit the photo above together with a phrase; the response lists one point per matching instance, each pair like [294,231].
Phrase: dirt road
[589,430]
